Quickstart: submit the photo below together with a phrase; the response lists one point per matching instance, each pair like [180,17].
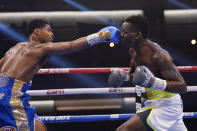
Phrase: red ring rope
[99,70]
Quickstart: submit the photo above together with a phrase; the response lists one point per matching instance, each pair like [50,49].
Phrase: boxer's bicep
[55,48]
[170,73]
[167,68]
[65,47]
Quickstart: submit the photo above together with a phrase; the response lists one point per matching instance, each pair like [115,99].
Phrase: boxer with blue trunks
[15,111]
[21,62]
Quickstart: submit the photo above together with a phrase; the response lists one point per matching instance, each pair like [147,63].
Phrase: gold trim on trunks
[18,108]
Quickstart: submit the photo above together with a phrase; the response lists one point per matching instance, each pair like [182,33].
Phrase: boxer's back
[22,61]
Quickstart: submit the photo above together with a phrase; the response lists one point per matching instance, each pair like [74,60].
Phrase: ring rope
[48,71]
[78,91]
[93,118]
[96,118]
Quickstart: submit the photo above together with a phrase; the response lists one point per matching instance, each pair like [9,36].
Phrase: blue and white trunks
[15,111]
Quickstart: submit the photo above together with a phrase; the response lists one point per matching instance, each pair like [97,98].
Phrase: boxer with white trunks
[152,67]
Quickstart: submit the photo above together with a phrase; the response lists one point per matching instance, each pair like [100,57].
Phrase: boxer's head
[134,29]
[40,30]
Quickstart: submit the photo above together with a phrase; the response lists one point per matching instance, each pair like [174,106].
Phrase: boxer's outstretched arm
[108,34]
[170,73]
[60,48]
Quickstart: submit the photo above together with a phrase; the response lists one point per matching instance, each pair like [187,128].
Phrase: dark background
[174,37]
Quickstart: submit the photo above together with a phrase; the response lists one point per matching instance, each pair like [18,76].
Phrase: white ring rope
[77,91]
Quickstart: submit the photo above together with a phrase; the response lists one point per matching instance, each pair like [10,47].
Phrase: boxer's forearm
[176,87]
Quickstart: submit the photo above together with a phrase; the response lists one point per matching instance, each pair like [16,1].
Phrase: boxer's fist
[117,77]
[114,34]
[144,77]
[107,34]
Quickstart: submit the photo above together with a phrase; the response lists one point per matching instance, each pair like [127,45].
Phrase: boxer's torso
[147,56]
[22,61]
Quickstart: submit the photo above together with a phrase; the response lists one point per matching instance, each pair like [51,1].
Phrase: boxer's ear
[36,31]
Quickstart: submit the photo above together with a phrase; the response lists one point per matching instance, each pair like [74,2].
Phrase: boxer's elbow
[183,88]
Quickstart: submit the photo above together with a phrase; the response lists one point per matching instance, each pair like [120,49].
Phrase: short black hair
[140,22]
[36,23]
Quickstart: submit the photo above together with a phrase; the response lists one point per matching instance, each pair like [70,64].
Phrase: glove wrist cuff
[102,36]
[159,84]
[93,39]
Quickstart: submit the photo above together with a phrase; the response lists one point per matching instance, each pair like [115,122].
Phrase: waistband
[172,101]
[18,85]
[158,94]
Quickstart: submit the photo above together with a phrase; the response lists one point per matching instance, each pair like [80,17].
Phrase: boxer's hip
[15,111]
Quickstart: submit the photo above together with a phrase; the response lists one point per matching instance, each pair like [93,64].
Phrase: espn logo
[8,128]
[55,92]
